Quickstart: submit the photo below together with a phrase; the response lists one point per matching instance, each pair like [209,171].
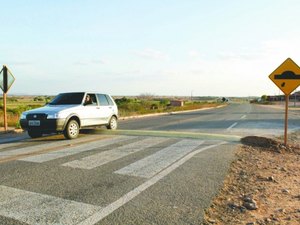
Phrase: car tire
[34,133]
[113,123]
[72,130]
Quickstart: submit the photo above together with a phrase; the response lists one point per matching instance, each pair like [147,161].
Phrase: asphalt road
[235,119]
[154,170]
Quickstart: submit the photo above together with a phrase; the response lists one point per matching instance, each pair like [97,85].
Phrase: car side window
[102,100]
[109,100]
[90,100]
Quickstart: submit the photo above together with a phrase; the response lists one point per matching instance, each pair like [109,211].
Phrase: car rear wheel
[34,133]
[113,123]
[72,130]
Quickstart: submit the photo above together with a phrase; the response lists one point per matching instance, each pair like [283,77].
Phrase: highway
[153,170]
[235,119]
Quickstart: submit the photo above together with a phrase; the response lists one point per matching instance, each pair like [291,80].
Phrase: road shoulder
[262,186]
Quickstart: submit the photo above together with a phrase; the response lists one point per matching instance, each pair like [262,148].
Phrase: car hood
[50,109]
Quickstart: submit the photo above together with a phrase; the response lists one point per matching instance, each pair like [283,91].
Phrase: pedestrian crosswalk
[164,155]
[34,208]
[149,166]
[73,150]
[102,158]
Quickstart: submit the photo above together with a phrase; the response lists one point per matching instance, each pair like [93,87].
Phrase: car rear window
[102,99]
[109,100]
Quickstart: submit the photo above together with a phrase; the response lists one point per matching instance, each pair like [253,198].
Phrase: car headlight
[23,116]
[53,116]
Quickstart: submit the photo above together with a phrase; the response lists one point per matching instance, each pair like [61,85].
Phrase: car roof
[83,92]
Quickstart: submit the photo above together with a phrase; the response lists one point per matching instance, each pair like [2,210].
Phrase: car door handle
[97,107]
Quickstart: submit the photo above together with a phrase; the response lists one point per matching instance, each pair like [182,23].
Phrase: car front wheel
[113,123]
[72,130]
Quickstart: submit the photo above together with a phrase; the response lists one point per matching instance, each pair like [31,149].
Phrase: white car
[67,113]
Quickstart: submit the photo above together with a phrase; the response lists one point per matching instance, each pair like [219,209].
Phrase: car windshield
[67,99]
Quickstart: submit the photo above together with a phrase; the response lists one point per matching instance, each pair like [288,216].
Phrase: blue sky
[162,47]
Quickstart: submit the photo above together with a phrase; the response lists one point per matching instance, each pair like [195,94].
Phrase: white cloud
[152,54]
[243,54]
[240,72]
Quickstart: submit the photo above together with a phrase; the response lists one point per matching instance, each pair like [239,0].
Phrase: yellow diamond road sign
[286,76]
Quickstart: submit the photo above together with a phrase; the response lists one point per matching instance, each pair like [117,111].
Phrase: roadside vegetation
[140,106]
[17,105]
[128,106]
[263,100]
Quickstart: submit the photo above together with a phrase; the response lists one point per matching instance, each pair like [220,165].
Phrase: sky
[158,47]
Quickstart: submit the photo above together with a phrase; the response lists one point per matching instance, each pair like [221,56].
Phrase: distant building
[179,103]
[274,98]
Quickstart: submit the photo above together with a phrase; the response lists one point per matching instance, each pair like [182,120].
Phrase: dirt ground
[263,184]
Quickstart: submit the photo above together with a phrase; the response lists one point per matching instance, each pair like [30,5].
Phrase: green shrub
[12,99]
[18,110]
[18,125]
[39,99]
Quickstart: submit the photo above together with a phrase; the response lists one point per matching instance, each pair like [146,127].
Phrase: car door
[105,108]
[91,113]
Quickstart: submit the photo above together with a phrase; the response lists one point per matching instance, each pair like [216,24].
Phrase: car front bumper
[44,125]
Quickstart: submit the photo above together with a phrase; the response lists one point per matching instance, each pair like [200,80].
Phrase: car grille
[36,116]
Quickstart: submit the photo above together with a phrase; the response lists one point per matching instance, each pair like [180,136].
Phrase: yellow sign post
[287,78]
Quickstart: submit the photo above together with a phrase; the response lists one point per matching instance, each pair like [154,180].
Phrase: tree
[264,98]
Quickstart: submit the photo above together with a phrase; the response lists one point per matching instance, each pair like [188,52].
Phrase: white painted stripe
[75,149]
[11,141]
[34,208]
[30,149]
[37,148]
[138,190]
[232,126]
[153,164]
[102,158]
[10,145]
[243,117]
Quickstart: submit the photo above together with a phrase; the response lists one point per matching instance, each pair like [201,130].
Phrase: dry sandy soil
[263,184]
